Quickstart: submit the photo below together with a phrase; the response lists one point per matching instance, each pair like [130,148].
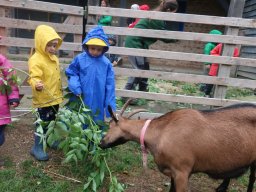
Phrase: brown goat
[219,142]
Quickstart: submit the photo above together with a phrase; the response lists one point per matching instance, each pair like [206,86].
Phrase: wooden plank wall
[248,51]
[76,28]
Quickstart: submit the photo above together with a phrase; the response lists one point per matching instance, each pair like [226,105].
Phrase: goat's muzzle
[103,144]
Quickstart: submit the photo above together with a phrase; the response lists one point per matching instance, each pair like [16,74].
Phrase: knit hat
[135,7]
[96,41]
[215,32]
[144,7]
[112,37]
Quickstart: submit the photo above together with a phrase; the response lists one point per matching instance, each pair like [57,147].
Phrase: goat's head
[116,134]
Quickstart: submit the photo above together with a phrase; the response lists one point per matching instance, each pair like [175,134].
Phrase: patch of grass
[31,177]
[236,92]
[189,89]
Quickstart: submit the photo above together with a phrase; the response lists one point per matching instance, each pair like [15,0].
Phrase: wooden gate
[233,24]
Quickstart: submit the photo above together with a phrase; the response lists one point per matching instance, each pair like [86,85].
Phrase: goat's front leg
[251,178]
[181,181]
[173,188]
[223,187]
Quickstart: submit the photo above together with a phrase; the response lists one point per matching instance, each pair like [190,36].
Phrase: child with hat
[45,81]
[91,75]
[113,58]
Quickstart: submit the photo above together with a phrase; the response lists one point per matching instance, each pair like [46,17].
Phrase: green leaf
[86,109]
[68,158]
[75,158]
[83,147]
[120,187]
[94,186]
[50,128]
[86,185]
[102,171]
[71,152]
[62,144]
[74,144]
[79,155]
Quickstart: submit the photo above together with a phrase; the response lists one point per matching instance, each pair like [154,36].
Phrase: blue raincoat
[93,77]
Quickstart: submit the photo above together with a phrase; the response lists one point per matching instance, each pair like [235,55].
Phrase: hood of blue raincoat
[96,32]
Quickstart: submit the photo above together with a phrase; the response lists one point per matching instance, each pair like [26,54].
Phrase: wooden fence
[230,40]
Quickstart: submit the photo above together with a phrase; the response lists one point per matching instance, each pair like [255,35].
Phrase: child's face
[95,50]
[52,47]
[103,4]
[111,42]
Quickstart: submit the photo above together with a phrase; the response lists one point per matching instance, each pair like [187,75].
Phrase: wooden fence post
[92,19]
[235,10]
[3,32]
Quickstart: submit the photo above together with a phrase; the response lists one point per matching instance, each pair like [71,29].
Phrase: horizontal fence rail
[43,6]
[181,56]
[170,76]
[164,97]
[202,37]
[178,17]
[31,25]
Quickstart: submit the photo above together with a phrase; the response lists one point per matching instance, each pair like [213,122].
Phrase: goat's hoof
[221,189]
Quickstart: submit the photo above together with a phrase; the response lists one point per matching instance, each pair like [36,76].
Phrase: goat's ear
[114,117]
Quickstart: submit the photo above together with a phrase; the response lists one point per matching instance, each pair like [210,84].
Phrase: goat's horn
[125,106]
[135,112]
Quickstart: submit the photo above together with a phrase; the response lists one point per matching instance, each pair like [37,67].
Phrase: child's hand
[39,86]
[114,63]
[14,104]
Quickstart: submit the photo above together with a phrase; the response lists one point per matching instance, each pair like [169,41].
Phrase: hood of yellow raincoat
[43,35]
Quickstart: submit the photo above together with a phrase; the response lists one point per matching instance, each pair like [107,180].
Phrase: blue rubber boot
[37,150]
[2,138]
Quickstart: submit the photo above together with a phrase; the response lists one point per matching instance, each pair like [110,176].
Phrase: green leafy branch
[78,136]
[8,81]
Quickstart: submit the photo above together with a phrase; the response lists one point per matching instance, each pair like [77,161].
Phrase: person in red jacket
[144,7]
[215,67]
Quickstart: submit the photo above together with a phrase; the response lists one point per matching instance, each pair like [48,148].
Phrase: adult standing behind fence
[105,20]
[144,43]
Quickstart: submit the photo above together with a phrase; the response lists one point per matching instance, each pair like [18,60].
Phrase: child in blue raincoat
[91,75]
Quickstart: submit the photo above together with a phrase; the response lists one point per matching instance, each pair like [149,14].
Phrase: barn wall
[248,51]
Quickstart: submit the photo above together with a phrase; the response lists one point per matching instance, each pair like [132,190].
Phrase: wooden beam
[178,17]
[190,78]
[181,56]
[20,42]
[43,6]
[31,25]
[92,19]
[177,98]
[164,97]
[235,10]
[202,37]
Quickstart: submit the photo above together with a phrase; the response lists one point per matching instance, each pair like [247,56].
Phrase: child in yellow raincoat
[45,80]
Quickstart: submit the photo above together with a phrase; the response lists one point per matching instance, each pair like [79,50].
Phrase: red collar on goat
[142,144]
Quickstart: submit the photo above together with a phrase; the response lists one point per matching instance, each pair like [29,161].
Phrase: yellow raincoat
[45,67]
